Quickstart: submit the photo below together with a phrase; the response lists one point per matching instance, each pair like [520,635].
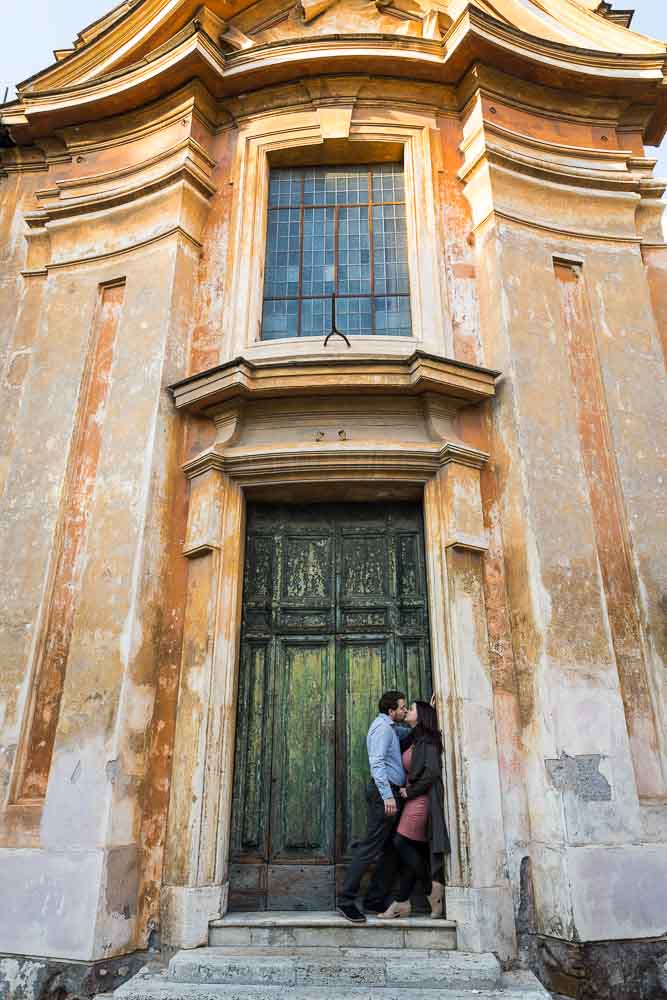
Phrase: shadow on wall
[46,979]
[594,970]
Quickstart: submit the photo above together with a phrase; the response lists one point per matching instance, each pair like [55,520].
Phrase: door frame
[338,529]
[420,456]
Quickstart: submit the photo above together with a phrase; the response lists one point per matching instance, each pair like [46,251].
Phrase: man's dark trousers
[378,846]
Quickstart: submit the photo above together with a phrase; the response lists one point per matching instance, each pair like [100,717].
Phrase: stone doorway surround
[340,428]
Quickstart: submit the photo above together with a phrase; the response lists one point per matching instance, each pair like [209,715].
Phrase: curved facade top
[140,49]
[333,341]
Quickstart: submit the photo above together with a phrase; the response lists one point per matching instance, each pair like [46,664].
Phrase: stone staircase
[319,956]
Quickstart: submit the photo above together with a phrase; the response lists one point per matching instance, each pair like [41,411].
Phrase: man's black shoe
[351,913]
[374,907]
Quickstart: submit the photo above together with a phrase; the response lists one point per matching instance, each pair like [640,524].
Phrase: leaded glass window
[336,231]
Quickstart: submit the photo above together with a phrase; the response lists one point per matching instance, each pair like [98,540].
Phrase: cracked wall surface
[131,258]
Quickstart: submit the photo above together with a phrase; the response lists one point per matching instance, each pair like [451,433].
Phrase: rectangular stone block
[434,940]
[186,912]
[220,937]
[619,892]
[455,971]
[339,937]
[156,988]
[39,883]
[345,972]
[204,966]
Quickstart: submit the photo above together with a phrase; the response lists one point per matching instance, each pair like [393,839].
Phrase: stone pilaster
[198,832]
[478,891]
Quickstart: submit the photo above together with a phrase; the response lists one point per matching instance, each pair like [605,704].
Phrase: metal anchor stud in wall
[334,328]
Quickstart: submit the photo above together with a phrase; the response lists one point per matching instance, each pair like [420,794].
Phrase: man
[383,803]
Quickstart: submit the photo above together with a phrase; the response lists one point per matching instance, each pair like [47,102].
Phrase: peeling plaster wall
[96,785]
[85,865]
[96,837]
[20,305]
[569,694]
[214,268]
[635,384]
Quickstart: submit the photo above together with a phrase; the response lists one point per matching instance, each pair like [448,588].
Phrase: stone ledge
[352,967]
[289,918]
[336,463]
[414,375]
[313,930]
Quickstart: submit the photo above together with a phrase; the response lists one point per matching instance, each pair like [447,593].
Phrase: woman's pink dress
[414,816]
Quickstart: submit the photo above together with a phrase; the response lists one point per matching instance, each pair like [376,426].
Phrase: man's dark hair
[389,701]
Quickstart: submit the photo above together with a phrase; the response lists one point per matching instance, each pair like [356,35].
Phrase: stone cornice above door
[355,420]
[459,383]
[337,462]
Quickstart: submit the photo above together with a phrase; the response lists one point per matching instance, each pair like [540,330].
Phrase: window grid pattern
[337,231]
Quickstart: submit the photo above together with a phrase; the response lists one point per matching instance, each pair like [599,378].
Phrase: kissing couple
[406,833]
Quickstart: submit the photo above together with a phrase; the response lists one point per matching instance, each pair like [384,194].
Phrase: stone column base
[187,911]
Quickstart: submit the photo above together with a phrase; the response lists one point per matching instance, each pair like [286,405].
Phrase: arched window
[337,248]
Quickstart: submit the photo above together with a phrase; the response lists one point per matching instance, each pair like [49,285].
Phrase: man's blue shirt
[384,754]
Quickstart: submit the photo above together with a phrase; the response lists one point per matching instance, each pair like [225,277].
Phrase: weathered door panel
[361,666]
[252,772]
[335,612]
[259,584]
[302,800]
[300,887]
[306,584]
[413,664]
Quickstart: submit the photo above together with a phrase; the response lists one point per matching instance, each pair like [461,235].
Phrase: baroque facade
[371,299]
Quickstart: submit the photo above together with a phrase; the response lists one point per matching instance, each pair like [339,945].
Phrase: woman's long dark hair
[427,725]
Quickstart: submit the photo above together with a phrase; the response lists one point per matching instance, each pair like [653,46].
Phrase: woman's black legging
[415,864]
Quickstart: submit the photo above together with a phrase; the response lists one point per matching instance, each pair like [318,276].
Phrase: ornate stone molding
[515,219]
[187,161]
[283,424]
[461,384]
[193,55]
[603,169]
[174,232]
[622,17]
[119,70]
[340,462]
[570,190]
[166,194]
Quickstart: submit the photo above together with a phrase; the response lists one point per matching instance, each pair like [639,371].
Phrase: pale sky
[32,29]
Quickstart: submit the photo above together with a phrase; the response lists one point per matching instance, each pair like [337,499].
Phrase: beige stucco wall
[569,691]
[528,667]
[126,610]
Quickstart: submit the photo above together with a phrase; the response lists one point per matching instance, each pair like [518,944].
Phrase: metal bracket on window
[334,328]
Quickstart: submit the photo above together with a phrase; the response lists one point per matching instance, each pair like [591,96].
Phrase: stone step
[312,930]
[312,967]
[152,987]
[352,954]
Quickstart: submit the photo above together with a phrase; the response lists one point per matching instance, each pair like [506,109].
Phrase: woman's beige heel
[396,910]
[437,899]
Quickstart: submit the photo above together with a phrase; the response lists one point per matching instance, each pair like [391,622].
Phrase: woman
[421,838]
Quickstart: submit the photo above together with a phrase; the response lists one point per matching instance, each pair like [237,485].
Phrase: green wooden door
[334,612]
